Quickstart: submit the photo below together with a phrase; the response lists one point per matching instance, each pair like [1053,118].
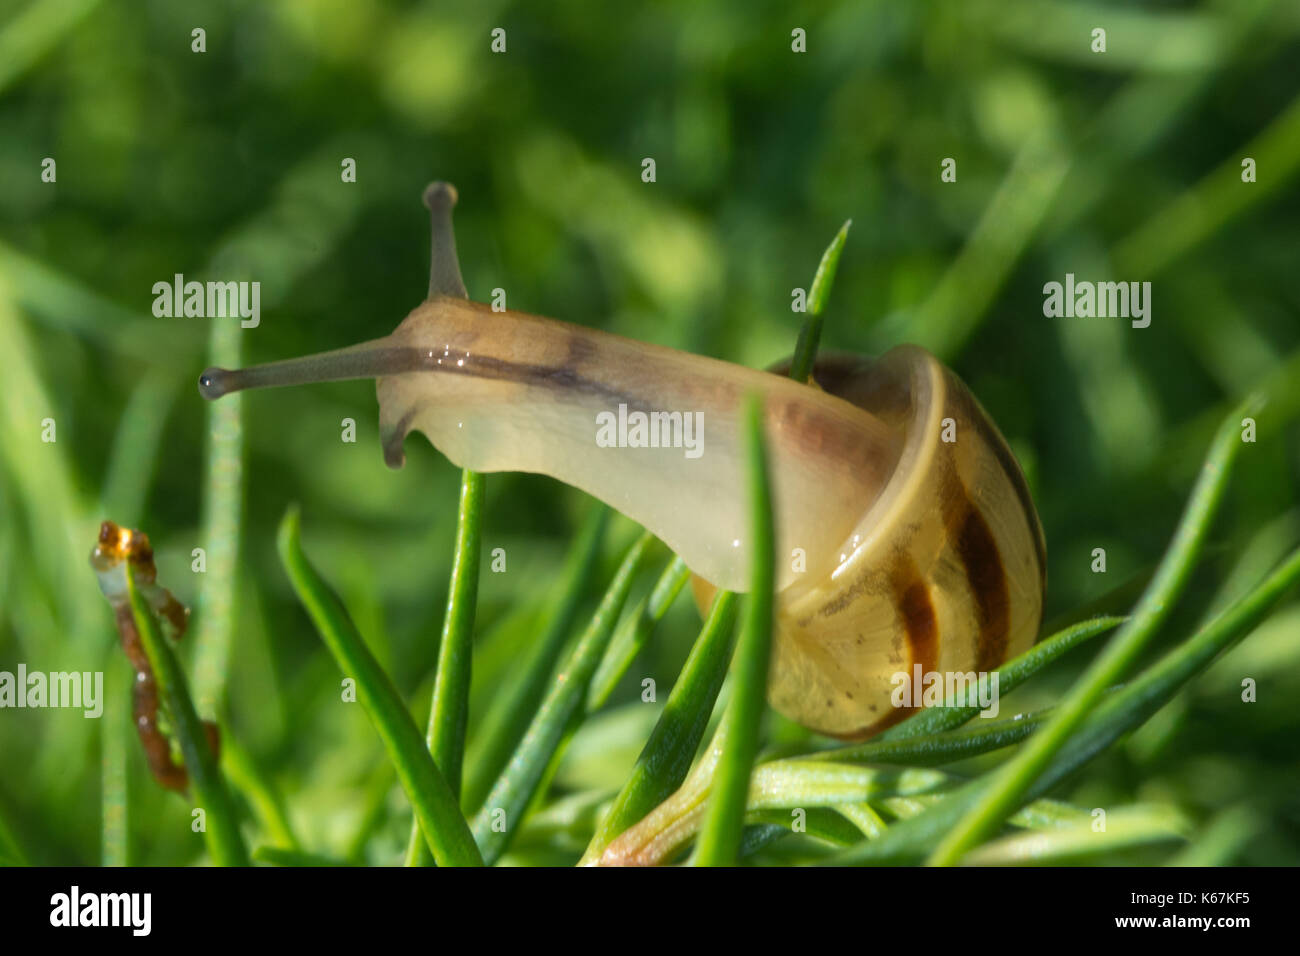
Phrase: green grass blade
[505,722]
[221,832]
[864,817]
[449,712]
[222,505]
[115,727]
[933,749]
[805,351]
[1013,780]
[666,758]
[1125,827]
[435,807]
[719,840]
[630,639]
[502,812]
[823,824]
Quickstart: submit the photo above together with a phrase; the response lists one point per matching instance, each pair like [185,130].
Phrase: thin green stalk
[666,758]
[449,711]
[435,806]
[932,749]
[1014,779]
[864,817]
[502,811]
[805,350]
[222,506]
[115,727]
[1125,827]
[719,841]
[630,638]
[908,840]
[508,717]
[221,826]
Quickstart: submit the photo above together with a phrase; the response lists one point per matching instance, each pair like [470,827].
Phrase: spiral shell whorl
[946,570]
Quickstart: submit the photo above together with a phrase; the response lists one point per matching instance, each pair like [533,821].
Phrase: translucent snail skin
[897,547]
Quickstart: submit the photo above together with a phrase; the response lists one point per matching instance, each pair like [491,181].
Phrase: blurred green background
[226,165]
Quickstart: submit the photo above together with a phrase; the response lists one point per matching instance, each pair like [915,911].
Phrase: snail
[911,535]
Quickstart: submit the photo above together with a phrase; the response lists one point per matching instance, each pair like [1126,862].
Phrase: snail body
[912,550]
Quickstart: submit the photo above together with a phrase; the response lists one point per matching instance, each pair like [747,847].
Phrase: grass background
[225,165]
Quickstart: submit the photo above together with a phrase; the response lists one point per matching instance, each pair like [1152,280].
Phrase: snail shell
[945,571]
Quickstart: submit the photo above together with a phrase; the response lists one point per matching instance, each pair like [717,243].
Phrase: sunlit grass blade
[719,840]
[631,637]
[513,708]
[666,758]
[1125,827]
[449,710]
[805,351]
[864,817]
[502,811]
[435,806]
[1011,782]
[221,832]
[817,822]
[908,841]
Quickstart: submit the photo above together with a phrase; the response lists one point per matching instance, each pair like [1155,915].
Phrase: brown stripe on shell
[972,540]
[974,413]
[911,597]
[920,624]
